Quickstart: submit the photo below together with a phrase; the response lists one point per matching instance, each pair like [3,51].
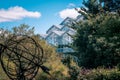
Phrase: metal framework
[21,57]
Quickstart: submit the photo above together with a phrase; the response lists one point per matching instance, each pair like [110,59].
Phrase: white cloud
[72,13]
[71,5]
[16,13]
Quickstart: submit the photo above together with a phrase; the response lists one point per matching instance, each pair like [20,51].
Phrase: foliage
[51,59]
[100,6]
[23,29]
[92,5]
[69,61]
[3,76]
[99,74]
[97,41]
[97,38]
[53,62]
[21,57]
[118,66]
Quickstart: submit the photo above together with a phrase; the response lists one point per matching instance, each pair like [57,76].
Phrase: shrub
[99,74]
[114,76]
[118,66]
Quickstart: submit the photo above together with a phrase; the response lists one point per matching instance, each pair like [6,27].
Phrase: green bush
[99,74]
[114,76]
[118,66]
[55,76]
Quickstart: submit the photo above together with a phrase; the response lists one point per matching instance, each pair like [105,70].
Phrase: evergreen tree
[111,5]
[97,38]
[97,41]
[92,6]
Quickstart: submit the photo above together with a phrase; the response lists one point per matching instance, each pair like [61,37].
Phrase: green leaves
[23,29]
[97,41]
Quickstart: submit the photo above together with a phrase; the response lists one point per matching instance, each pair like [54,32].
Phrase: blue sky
[41,14]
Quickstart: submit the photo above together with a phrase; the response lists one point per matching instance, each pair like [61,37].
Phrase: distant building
[60,35]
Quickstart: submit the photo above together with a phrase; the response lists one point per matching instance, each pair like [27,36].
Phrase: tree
[97,41]
[93,7]
[23,29]
[97,38]
[50,58]
[110,5]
